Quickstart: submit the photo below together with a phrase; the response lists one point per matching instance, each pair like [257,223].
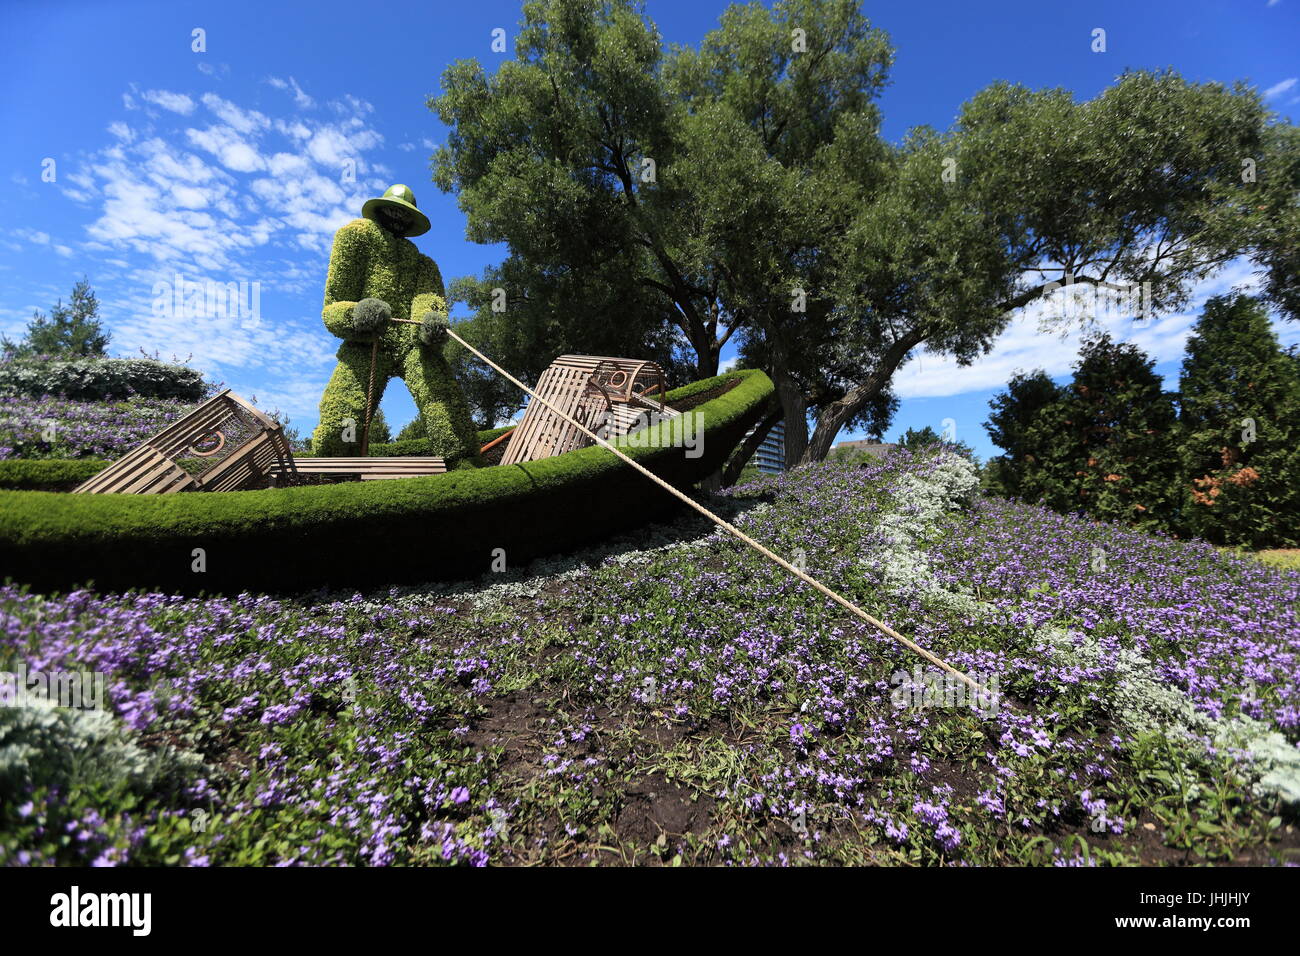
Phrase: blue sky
[227,165]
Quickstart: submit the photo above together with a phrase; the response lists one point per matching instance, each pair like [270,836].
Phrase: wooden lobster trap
[223,445]
[612,397]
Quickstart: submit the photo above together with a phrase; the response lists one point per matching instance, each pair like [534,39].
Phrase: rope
[370,391]
[733,530]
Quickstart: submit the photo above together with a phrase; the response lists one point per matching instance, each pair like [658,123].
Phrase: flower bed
[680,700]
[52,427]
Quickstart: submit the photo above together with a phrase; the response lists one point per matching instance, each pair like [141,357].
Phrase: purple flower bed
[53,427]
[690,704]
[1223,628]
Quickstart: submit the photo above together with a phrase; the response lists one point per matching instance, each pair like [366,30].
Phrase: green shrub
[43,745]
[48,474]
[362,533]
[96,379]
[419,447]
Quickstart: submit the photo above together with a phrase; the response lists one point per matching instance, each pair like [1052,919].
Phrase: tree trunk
[794,405]
[706,361]
[834,416]
[750,445]
[794,409]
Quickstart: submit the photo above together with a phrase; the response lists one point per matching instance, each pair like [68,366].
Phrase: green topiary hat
[399,197]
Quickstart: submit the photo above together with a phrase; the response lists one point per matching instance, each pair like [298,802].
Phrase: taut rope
[733,530]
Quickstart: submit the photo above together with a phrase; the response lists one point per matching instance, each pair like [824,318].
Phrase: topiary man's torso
[369,262]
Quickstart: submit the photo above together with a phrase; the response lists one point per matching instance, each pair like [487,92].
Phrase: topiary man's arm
[429,299]
[429,292]
[346,283]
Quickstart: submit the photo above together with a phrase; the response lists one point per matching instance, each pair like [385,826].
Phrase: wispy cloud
[176,102]
[299,97]
[1037,339]
[247,197]
[1277,89]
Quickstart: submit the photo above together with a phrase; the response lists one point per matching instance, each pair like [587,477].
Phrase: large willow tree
[740,191]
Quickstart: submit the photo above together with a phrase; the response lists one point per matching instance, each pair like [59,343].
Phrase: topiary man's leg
[439,400]
[343,406]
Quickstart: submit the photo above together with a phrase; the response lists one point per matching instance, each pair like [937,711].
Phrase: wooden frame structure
[608,395]
[226,444]
[367,469]
[223,445]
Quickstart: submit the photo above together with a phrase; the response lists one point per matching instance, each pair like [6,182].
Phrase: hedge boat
[364,533]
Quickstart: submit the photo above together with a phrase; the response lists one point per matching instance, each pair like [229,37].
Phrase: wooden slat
[197,424]
[367,468]
[153,473]
[240,459]
[625,416]
[569,384]
[150,468]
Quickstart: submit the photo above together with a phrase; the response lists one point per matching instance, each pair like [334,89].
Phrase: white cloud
[242,121]
[287,164]
[1028,343]
[299,97]
[175,102]
[349,105]
[173,198]
[226,144]
[332,147]
[1277,89]
[188,197]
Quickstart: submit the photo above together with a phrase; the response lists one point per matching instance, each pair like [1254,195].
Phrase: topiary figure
[375,274]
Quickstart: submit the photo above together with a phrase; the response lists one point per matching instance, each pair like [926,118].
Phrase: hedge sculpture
[375,274]
[286,539]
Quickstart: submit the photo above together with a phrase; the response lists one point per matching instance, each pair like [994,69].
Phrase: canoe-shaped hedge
[365,534]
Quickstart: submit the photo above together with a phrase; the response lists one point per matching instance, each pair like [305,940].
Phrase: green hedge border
[362,534]
[47,474]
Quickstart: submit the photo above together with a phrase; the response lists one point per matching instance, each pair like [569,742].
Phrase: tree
[1017,426]
[1240,428]
[1104,445]
[743,190]
[546,156]
[491,398]
[914,439]
[1138,186]
[658,194]
[1123,426]
[412,430]
[72,331]
[380,433]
